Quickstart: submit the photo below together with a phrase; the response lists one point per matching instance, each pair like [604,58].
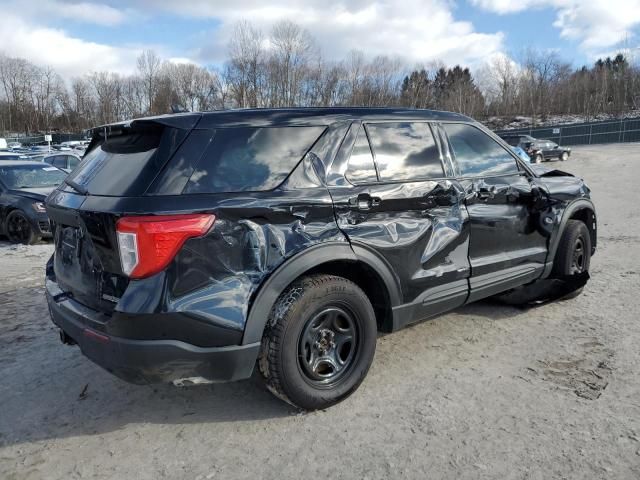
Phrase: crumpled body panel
[419,228]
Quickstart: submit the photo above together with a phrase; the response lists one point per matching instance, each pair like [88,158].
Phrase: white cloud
[68,55]
[418,30]
[596,24]
[70,10]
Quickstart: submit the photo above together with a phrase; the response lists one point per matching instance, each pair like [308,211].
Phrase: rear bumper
[150,361]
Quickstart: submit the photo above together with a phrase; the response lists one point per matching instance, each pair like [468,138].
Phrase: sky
[79,36]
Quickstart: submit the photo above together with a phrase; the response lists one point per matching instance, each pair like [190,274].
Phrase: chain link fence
[608,131]
[39,139]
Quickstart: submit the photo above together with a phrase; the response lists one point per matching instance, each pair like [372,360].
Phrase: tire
[19,229]
[564,157]
[301,361]
[574,252]
[538,158]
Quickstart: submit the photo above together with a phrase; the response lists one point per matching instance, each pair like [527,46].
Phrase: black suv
[539,150]
[191,247]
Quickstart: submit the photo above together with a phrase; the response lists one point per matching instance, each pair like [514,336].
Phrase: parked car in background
[66,161]
[23,187]
[522,154]
[538,150]
[7,155]
[39,149]
[80,150]
[190,248]
[14,145]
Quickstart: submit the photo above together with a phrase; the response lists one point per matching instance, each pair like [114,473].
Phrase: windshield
[31,176]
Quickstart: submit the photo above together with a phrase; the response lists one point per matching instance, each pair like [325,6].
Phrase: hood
[543,171]
[36,193]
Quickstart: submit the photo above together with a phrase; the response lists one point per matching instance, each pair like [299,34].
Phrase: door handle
[486,192]
[364,201]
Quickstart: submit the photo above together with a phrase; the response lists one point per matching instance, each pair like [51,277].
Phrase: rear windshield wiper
[77,187]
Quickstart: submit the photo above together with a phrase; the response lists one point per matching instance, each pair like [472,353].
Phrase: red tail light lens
[148,243]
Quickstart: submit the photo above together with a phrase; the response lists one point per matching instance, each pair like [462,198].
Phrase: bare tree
[149,65]
[246,65]
[291,48]
[286,68]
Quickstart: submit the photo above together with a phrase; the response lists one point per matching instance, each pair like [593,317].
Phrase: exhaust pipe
[66,339]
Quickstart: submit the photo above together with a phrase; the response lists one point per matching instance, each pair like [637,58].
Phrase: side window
[243,159]
[60,161]
[477,154]
[405,151]
[49,160]
[361,168]
[73,162]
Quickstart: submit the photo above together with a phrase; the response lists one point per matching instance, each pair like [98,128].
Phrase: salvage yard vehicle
[23,187]
[191,247]
[539,150]
[66,161]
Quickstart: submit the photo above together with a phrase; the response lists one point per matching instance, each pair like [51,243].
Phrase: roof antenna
[178,109]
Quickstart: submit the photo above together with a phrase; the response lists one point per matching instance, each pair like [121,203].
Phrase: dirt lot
[487,391]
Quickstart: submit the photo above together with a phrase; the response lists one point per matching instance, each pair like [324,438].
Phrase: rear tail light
[148,243]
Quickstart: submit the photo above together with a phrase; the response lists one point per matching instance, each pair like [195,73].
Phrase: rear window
[31,176]
[125,164]
[251,159]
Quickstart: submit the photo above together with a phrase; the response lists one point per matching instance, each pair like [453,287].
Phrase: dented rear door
[398,201]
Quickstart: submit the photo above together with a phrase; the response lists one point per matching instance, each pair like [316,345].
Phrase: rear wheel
[319,342]
[19,229]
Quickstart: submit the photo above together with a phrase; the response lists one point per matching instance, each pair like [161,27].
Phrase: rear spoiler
[186,121]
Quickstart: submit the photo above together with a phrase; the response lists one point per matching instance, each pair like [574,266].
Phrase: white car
[66,161]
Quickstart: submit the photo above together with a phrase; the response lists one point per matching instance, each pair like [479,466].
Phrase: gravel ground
[487,391]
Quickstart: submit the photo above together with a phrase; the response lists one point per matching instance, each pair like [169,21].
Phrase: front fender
[561,222]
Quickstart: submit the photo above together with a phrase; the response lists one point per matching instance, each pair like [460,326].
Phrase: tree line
[285,67]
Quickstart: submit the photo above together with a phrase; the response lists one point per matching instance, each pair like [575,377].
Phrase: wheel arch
[357,264]
[581,209]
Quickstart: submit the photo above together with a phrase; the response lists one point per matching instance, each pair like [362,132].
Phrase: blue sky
[79,36]
[530,27]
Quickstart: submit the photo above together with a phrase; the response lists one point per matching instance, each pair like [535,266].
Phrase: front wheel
[538,158]
[19,229]
[573,256]
[564,157]
[319,342]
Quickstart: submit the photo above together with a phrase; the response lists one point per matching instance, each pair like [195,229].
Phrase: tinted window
[513,141]
[405,151]
[60,161]
[49,160]
[476,153]
[73,162]
[361,168]
[120,165]
[246,159]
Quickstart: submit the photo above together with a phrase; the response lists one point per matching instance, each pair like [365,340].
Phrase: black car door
[506,245]
[393,198]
